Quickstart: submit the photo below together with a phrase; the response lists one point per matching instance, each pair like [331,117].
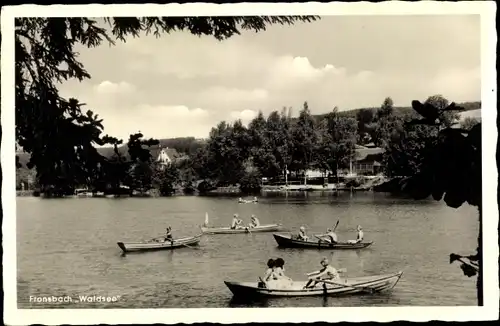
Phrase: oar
[321,239]
[340,270]
[336,225]
[189,246]
[348,286]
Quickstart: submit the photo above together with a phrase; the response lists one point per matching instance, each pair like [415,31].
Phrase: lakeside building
[367,161]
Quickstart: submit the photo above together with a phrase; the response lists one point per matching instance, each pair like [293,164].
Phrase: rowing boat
[352,285]
[287,241]
[159,244]
[243,201]
[228,230]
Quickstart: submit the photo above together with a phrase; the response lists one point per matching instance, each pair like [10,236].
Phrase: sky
[183,85]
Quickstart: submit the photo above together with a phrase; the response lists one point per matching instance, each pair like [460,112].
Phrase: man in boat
[254,222]
[236,224]
[332,236]
[328,272]
[359,237]
[255,199]
[302,234]
[168,236]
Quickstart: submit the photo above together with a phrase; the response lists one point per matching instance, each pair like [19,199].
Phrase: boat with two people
[325,282]
[238,227]
[165,241]
[246,201]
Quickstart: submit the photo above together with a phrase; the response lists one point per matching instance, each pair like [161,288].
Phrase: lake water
[67,247]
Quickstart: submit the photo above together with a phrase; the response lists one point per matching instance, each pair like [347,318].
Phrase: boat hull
[356,285]
[287,242]
[152,245]
[228,230]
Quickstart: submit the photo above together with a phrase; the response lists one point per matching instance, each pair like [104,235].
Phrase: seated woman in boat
[168,236]
[302,234]
[359,237]
[328,272]
[255,200]
[269,275]
[254,222]
[282,281]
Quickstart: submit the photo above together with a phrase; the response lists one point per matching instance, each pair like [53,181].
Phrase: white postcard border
[489,311]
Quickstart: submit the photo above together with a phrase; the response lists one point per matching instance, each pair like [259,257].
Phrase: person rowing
[359,237]
[236,222]
[328,272]
[329,236]
[302,234]
[168,236]
[254,222]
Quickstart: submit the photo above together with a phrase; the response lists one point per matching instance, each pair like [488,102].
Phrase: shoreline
[30,193]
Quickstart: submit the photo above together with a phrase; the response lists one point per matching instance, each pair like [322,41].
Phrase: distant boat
[245,201]
[285,240]
[351,285]
[83,193]
[159,244]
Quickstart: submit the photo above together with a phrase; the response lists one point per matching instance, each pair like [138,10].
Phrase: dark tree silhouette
[451,171]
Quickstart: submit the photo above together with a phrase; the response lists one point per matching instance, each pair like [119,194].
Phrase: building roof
[364,153]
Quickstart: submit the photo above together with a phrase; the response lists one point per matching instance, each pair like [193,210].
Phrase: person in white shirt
[302,234]
[359,237]
[332,236]
[328,272]
[236,222]
[254,222]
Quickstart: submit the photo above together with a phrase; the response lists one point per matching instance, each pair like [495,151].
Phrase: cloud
[246,115]
[293,72]
[107,87]
[159,121]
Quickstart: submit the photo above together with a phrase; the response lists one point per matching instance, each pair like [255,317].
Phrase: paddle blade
[206,218]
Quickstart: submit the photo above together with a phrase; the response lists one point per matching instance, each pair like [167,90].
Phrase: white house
[166,156]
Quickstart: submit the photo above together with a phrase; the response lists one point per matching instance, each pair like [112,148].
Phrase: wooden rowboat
[159,244]
[286,240]
[228,230]
[352,285]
